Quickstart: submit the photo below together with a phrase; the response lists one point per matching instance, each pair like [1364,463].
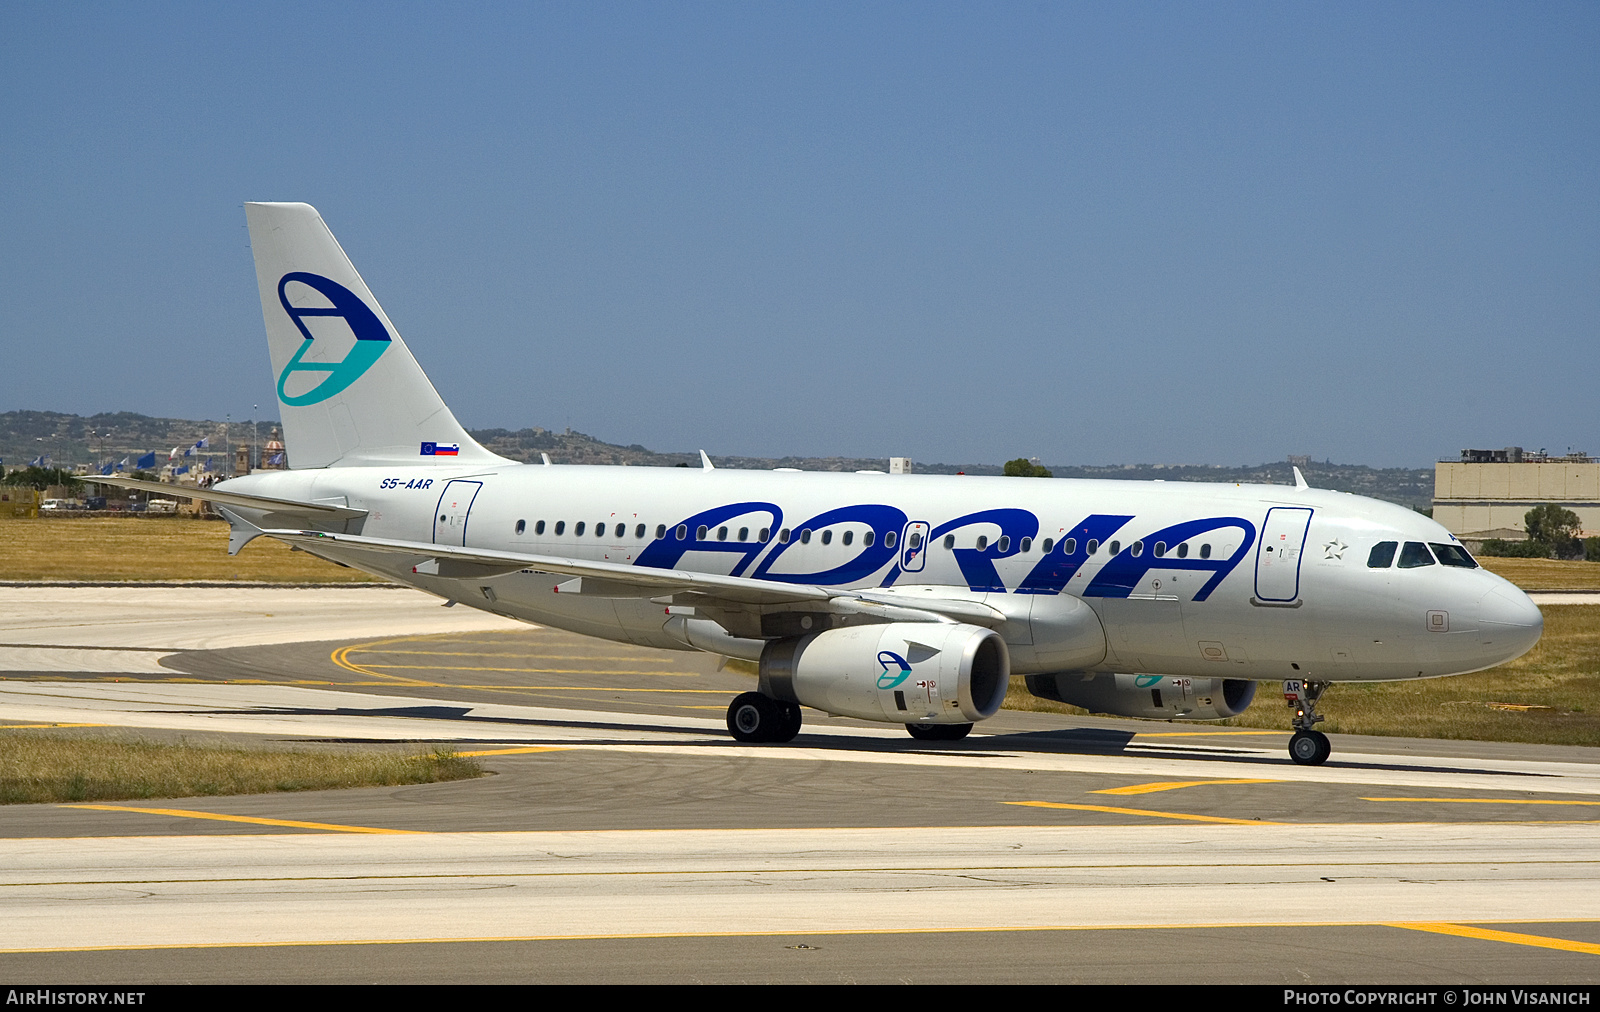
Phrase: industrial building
[1487,493]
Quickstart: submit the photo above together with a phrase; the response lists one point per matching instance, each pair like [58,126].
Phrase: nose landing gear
[1308,747]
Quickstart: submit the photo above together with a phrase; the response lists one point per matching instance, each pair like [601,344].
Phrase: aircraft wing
[320,511]
[610,579]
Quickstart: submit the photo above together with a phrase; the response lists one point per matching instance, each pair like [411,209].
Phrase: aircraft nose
[1510,621]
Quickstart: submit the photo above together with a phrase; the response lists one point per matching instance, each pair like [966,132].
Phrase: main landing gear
[939,732]
[1308,747]
[753,717]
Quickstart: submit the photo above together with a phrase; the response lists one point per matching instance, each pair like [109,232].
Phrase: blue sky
[1174,233]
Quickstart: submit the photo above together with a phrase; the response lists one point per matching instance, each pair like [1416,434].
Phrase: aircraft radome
[909,599]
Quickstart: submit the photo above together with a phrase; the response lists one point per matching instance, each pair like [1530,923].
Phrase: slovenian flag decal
[441,449]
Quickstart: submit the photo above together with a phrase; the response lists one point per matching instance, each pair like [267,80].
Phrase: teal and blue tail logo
[372,339]
[901,669]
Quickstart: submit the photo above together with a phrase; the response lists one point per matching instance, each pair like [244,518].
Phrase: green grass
[45,767]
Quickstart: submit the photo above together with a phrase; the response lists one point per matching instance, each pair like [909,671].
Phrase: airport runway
[625,837]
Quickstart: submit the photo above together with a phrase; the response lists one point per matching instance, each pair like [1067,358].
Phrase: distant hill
[1408,486]
[75,439]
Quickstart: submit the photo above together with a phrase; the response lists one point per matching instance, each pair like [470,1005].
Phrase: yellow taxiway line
[520,750]
[1141,811]
[182,813]
[1491,935]
[1173,785]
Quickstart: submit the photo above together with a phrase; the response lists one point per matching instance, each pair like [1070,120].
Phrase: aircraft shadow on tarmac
[1064,741]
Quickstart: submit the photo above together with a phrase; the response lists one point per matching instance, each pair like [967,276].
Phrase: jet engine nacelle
[1164,696]
[905,672]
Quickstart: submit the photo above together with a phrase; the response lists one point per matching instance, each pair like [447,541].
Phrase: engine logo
[902,669]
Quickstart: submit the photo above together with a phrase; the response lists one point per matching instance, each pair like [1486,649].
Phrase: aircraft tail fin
[349,390]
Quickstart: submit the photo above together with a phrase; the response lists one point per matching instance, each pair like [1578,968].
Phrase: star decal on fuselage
[1334,549]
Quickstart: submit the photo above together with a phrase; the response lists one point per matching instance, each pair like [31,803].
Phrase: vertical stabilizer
[348,388]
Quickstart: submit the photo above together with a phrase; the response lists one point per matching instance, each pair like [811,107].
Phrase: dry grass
[1559,678]
[153,548]
[1546,574]
[37,767]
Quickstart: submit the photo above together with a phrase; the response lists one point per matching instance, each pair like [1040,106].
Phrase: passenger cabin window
[827,537]
[538,528]
[1004,544]
[1205,551]
[1382,555]
[1069,547]
[661,531]
[683,531]
[577,529]
[1046,545]
[1093,546]
[949,541]
[1453,555]
[700,532]
[849,536]
[1415,555]
[890,537]
[561,527]
[983,542]
[1183,550]
[744,534]
[1027,544]
[522,525]
[1116,548]
[722,534]
[600,530]
[783,536]
[1161,549]
[805,536]
[638,531]
[1137,549]
[869,537]
[765,535]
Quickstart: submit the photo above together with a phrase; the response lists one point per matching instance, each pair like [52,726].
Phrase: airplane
[898,598]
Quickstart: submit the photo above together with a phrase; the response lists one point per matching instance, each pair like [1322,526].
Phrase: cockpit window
[1453,555]
[1382,555]
[1414,555]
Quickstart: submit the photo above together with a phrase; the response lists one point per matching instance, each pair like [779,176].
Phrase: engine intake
[904,672]
[1164,696]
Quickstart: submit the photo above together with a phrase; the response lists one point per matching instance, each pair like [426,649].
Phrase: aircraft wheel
[1310,748]
[939,732]
[791,722]
[753,717]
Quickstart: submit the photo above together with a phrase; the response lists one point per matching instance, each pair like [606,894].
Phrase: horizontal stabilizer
[321,511]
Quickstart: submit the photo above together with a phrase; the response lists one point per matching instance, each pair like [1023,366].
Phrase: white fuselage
[1208,580]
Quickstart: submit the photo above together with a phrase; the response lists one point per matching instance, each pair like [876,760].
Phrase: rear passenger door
[450,518]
